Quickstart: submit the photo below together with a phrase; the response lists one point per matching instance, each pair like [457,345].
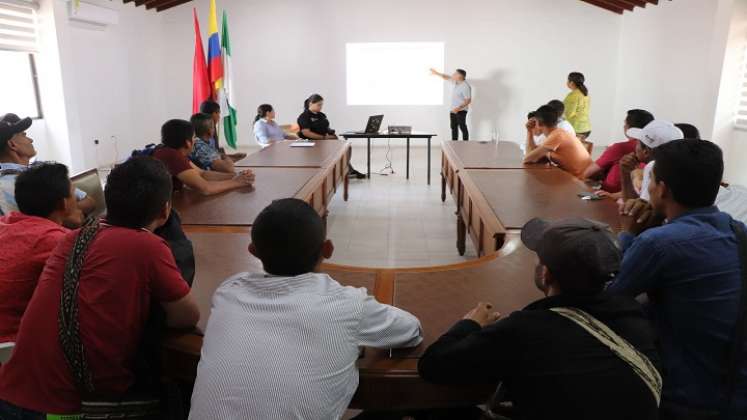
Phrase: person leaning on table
[576,354]
[266,130]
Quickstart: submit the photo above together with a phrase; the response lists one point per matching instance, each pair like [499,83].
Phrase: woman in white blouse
[266,130]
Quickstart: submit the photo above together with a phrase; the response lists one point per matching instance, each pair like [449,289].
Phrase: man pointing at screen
[461,97]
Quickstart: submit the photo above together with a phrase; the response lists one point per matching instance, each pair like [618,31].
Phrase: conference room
[511,209]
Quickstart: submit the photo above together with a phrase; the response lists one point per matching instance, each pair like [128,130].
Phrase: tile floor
[390,221]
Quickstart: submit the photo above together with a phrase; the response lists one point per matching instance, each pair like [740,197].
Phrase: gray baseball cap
[574,248]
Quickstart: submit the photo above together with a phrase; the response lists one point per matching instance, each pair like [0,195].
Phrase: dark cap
[10,125]
[579,250]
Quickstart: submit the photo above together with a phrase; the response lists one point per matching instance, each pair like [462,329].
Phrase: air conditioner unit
[91,14]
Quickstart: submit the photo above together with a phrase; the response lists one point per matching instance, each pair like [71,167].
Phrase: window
[394,73]
[20,92]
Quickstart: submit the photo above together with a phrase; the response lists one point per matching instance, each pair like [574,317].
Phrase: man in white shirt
[284,344]
[461,98]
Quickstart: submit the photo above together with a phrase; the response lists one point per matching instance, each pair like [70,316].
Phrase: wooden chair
[5,350]
[90,182]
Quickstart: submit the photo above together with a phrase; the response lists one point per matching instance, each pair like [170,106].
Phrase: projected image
[394,73]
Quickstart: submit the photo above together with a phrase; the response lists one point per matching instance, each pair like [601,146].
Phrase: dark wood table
[518,195]
[374,136]
[240,207]
[281,154]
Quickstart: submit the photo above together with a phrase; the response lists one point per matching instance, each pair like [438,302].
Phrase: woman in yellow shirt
[577,105]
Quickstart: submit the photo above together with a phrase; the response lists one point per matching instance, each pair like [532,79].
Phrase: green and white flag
[226,93]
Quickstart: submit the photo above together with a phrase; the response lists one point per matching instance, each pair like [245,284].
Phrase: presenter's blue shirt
[691,272]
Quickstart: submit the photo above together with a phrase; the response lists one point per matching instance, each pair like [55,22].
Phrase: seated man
[177,137]
[561,148]
[16,151]
[213,109]
[563,124]
[607,167]
[690,269]
[284,344]
[45,198]
[653,135]
[124,268]
[551,356]
[204,155]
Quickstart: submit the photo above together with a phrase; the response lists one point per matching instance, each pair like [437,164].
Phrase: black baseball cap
[10,125]
[579,250]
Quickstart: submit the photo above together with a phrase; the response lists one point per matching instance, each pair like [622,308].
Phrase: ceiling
[616,6]
[620,6]
[159,5]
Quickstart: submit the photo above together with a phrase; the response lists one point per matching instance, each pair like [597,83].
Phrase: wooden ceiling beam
[604,5]
[169,4]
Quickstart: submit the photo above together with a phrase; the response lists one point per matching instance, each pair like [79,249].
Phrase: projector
[400,129]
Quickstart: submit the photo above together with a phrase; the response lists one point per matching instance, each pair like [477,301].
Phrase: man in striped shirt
[284,344]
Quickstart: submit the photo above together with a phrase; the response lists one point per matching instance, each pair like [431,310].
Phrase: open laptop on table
[372,127]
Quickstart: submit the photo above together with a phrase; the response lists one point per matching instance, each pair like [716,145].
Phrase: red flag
[200,82]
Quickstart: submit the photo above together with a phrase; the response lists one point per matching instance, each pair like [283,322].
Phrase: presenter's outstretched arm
[441,75]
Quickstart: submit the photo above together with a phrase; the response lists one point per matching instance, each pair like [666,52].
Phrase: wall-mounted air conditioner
[91,14]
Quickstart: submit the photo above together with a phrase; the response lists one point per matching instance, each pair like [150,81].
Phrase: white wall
[667,56]
[517,54]
[97,82]
[734,142]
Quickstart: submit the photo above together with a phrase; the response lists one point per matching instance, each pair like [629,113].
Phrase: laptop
[373,126]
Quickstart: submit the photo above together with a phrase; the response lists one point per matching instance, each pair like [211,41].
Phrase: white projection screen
[394,73]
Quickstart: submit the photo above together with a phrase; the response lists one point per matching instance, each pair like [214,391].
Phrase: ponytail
[312,100]
[579,81]
[262,110]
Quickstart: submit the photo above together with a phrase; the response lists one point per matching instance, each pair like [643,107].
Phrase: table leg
[429,161]
[345,183]
[443,178]
[407,171]
[461,235]
[368,170]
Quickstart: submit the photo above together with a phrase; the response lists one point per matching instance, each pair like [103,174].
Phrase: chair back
[90,183]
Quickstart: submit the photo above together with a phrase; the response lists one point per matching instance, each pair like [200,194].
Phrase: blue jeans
[11,412]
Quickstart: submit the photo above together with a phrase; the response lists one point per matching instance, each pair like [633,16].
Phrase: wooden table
[439,296]
[286,176]
[493,203]
[281,154]
[495,192]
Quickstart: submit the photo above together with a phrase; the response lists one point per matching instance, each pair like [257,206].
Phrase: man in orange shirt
[560,147]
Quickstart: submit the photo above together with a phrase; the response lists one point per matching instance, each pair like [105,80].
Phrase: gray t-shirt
[462,91]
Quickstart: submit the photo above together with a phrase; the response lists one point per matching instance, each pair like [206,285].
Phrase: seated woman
[266,130]
[314,125]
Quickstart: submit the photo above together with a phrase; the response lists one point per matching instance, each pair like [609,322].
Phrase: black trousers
[459,122]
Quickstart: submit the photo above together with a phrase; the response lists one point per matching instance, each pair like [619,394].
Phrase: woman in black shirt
[314,125]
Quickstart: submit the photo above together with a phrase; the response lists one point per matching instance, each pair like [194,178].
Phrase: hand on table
[245,177]
[606,194]
[639,215]
[483,314]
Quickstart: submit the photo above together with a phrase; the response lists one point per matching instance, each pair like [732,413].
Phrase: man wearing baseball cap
[653,135]
[553,356]
[16,151]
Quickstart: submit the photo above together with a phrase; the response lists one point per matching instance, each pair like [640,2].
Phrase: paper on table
[302,144]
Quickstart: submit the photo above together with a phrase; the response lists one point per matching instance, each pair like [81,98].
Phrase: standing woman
[314,125]
[266,130]
[577,105]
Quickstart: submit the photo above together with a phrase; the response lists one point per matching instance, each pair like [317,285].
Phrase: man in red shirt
[45,197]
[607,167]
[177,138]
[124,268]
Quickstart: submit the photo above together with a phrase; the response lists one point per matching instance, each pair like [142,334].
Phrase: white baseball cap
[656,133]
